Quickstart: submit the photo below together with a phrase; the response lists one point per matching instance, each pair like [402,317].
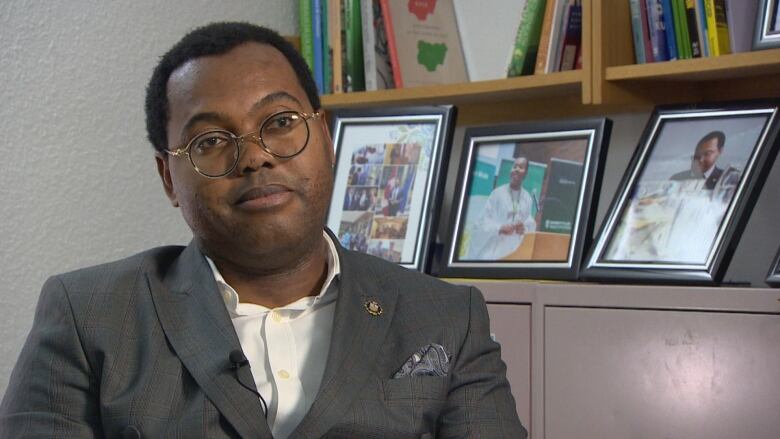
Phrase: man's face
[707,154]
[268,209]
[519,170]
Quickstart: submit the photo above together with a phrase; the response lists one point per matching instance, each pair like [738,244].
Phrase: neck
[276,288]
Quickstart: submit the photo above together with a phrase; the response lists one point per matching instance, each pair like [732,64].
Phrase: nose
[252,155]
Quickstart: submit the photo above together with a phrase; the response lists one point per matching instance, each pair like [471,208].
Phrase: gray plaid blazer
[140,348]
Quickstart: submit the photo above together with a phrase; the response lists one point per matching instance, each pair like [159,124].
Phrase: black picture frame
[564,161]
[773,277]
[767,33]
[668,222]
[389,161]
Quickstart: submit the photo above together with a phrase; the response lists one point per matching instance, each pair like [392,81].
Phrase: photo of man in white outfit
[507,217]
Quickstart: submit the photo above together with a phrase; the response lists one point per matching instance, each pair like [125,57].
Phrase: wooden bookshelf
[733,66]
[476,101]
[521,88]
[608,81]
[619,83]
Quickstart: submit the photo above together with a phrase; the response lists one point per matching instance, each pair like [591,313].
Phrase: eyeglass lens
[215,153]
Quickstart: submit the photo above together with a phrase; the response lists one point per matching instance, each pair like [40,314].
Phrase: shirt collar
[235,307]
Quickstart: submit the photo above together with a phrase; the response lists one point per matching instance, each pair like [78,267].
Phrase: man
[263,326]
[506,218]
[703,162]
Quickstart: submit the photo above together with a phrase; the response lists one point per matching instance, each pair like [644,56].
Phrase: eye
[282,122]
[209,143]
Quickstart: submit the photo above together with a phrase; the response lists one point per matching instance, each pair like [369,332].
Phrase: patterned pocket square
[429,360]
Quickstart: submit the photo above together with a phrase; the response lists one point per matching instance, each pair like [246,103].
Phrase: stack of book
[356,45]
[666,30]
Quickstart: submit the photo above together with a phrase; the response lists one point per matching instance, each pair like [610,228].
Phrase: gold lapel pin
[373,307]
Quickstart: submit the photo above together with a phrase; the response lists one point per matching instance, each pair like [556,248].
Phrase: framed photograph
[773,278]
[388,187]
[687,194]
[767,34]
[525,199]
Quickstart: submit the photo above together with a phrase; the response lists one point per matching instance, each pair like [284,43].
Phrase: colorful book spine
[636,30]
[369,40]
[573,39]
[685,32]
[701,25]
[655,21]
[722,27]
[646,31]
[564,21]
[354,46]
[392,48]
[336,45]
[316,30]
[327,53]
[307,44]
[694,32]
[683,46]
[523,58]
[384,68]
[545,37]
[717,27]
[671,29]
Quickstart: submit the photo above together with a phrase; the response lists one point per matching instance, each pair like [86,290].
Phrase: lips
[264,196]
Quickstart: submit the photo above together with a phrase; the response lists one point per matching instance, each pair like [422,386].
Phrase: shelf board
[737,65]
[532,87]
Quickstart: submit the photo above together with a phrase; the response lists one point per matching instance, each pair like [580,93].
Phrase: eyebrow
[216,117]
[273,98]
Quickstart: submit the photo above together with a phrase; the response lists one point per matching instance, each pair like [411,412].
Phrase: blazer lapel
[355,343]
[199,329]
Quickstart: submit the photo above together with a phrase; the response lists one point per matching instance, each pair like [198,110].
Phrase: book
[684,29]
[307,44]
[717,27]
[701,24]
[427,44]
[523,58]
[672,29]
[545,37]
[559,21]
[369,40]
[392,50]
[646,31]
[655,21]
[327,54]
[637,32]
[681,30]
[377,68]
[694,31]
[561,35]
[335,42]
[353,44]
[741,16]
[722,27]
[572,41]
[384,67]
[316,30]
[504,17]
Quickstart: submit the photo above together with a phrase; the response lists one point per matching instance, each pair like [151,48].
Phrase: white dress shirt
[286,347]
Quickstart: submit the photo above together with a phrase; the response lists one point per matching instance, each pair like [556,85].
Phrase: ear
[163,168]
[328,138]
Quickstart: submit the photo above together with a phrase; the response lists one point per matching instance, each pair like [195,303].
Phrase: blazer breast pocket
[416,388]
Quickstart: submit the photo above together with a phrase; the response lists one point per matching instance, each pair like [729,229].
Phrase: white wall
[78,184]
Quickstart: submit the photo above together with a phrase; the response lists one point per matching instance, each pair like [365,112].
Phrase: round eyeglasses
[215,153]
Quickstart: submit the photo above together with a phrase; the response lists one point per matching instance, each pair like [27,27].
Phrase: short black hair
[713,135]
[214,39]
